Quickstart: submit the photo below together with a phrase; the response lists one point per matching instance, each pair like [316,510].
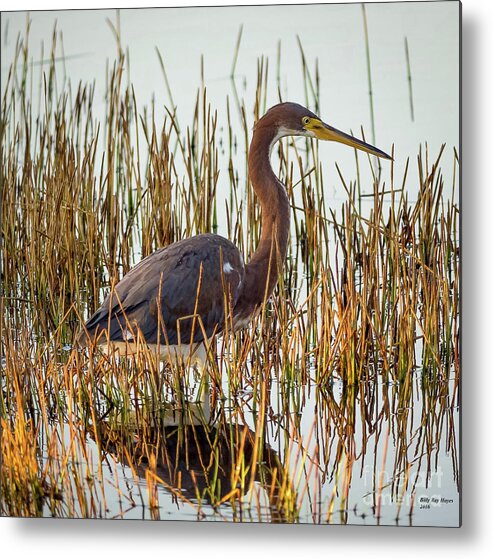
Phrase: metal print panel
[230,264]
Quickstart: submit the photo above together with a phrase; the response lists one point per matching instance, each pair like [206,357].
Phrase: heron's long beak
[324,131]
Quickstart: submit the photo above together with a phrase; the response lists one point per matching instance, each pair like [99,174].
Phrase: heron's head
[291,119]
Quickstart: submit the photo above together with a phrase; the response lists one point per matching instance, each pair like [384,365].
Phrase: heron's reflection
[200,460]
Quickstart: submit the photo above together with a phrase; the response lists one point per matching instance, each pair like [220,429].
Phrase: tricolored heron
[177,298]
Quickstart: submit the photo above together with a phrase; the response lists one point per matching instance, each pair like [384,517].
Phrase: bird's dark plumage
[167,281]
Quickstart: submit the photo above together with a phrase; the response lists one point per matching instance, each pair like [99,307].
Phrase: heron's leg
[203,398]
[204,392]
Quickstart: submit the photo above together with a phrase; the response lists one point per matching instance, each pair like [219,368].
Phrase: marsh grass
[354,362]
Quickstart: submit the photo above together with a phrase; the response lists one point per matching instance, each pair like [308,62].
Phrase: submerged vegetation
[351,372]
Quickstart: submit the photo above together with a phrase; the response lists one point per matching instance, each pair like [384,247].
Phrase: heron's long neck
[267,261]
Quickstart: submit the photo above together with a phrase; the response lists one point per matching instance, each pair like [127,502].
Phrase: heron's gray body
[161,298]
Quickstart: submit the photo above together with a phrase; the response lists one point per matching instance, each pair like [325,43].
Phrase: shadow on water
[201,464]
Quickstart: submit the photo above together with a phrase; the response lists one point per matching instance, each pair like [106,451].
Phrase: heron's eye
[305,120]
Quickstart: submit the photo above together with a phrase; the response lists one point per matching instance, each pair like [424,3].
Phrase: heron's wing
[162,298]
